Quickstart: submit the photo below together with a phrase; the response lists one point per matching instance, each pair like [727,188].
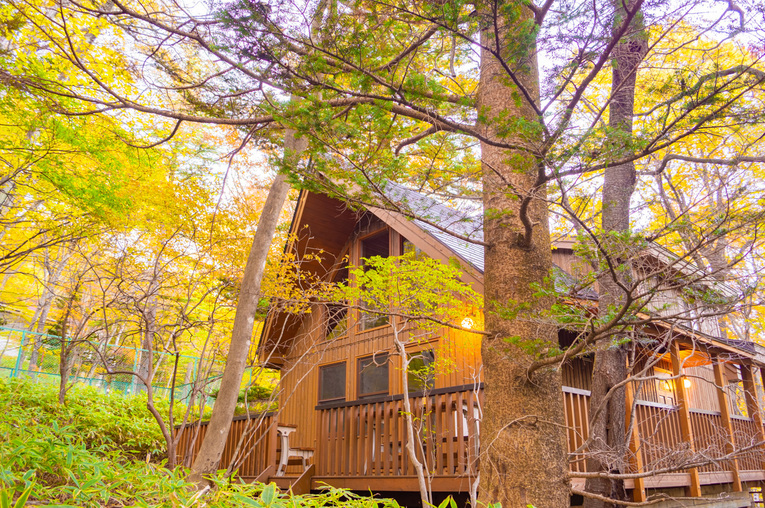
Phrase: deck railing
[256,435]
[661,443]
[369,438]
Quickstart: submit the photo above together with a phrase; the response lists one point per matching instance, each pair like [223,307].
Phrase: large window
[373,375]
[332,382]
[375,245]
[421,375]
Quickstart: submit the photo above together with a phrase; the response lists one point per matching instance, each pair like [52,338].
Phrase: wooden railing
[577,409]
[660,434]
[746,436]
[258,448]
[369,438]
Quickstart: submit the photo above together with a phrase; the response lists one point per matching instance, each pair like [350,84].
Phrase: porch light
[687,383]
[468,323]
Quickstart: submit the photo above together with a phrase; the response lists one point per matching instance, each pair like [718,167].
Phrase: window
[337,313]
[665,387]
[373,375]
[337,321]
[375,245]
[408,247]
[421,373]
[332,382]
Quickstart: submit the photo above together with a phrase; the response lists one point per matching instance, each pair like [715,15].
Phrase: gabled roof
[436,219]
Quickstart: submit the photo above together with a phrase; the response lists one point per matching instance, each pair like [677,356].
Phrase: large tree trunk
[206,461]
[523,448]
[608,436]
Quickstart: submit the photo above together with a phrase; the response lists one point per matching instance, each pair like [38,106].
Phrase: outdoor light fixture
[467,323]
[687,383]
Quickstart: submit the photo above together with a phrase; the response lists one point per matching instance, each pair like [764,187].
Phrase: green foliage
[115,422]
[413,286]
[83,455]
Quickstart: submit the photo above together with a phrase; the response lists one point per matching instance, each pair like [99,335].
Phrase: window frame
[379,360]
[345,383]
[360,322]
[420,352]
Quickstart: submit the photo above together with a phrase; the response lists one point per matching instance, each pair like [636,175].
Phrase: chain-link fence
[106,366]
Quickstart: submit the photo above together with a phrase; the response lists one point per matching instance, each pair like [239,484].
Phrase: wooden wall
[458,361]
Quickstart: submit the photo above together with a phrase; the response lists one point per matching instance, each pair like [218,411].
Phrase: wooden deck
[362,444]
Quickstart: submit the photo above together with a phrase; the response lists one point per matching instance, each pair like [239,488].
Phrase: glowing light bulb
[687,383]
[467,323]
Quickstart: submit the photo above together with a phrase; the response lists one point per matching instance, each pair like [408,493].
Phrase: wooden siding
[457,363]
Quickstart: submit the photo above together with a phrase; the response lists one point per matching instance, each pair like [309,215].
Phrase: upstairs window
[337,313]
[332,382]
[373,375]
[408,247]
[421,374]
[375,245]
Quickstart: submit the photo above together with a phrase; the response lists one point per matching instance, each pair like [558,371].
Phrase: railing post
[638,490]
[272,438]
[685,415]
[722,399]
[753,407]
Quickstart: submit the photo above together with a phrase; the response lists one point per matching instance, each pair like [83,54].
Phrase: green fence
[37,356]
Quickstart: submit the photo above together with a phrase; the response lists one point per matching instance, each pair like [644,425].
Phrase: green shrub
[86,454]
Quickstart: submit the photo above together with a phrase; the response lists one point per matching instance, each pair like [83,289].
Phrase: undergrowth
[92,453]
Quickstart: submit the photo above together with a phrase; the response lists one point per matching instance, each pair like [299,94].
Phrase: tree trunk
[146,363]
[608,436]
[523,448]
[210,452]
[46,301]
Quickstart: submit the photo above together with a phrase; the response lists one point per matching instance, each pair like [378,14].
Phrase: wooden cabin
[341,389]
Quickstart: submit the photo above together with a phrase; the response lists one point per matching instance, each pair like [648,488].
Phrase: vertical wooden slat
[370,428]
[429,433]
[753,408]
[440,409]
[461,434]
[684,412]
[352,432]
[727,424]
[638,491]
[395,438]
[451,434]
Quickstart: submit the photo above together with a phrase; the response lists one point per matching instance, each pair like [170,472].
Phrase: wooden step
[299,484]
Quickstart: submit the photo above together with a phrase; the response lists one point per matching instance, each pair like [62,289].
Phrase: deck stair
[299,484]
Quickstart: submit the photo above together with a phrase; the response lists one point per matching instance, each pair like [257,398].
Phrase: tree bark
[523,448]
[214,441]
[608,435]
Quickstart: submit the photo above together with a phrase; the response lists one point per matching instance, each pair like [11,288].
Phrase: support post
[753,407]
[636,459]
[722,398]
[685,415]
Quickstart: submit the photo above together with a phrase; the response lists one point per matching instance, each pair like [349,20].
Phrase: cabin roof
[438,218]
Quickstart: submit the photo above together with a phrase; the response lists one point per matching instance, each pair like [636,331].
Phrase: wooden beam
[636,459]
[722,398]
[685,415]
[753,406]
